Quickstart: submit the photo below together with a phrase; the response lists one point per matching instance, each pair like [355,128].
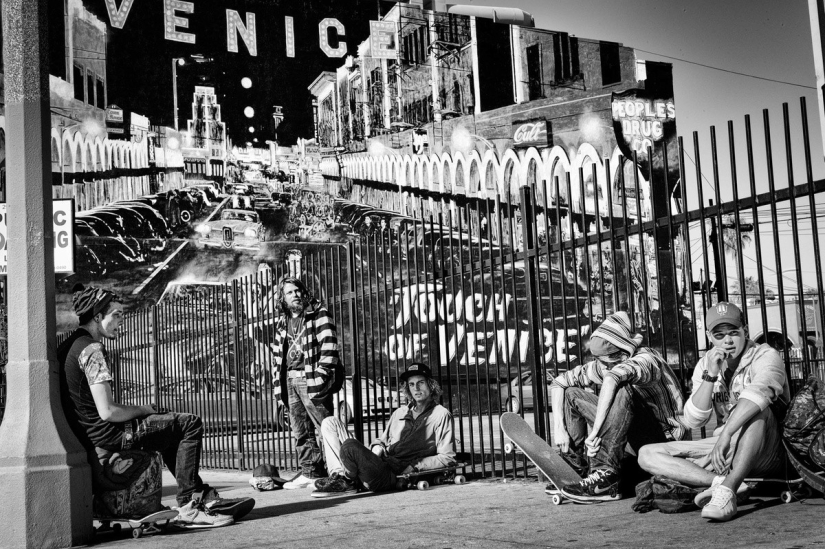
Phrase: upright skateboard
[543,456]
[423,479]
[150,524]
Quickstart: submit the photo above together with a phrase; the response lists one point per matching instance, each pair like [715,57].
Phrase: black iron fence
[499,296]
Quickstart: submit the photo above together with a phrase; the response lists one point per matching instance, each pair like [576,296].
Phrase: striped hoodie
[320,344]
[645,372]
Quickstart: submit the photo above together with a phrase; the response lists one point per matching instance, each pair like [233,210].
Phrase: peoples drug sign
[63,220]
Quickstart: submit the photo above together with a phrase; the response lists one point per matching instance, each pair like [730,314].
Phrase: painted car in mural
[236,228]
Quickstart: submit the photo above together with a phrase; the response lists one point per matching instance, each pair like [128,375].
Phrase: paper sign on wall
[63,220]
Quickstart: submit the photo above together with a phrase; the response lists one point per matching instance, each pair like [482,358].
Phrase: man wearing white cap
[638,402]
[744,384]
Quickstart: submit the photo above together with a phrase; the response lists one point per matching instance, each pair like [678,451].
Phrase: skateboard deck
[543,456]
[150,524]
[423,479]
[796,487]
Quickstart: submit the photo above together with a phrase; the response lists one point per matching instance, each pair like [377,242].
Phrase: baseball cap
[724,312]
[266,477]
[416,369]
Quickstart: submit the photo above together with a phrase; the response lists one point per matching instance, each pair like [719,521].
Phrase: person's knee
[650,456]
[191,425]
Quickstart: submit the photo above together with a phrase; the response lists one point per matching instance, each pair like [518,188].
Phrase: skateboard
[150,524]
[796,488]
[543,456]
[423,479]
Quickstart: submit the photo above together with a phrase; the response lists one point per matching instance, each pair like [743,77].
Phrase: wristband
[707,377]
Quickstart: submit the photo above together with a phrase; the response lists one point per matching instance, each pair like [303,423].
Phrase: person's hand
[378,450]
[718,456]
[562,440]
[593,444]
[715,358]
[408,470]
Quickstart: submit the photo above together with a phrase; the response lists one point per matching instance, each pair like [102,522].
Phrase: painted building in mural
[205,143]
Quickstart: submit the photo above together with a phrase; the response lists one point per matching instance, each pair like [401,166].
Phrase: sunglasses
[612,358]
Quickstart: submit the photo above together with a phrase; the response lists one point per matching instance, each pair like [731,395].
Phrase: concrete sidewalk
[482,513]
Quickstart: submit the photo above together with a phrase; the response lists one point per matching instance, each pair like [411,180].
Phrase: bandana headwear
[616,330]
[90,301]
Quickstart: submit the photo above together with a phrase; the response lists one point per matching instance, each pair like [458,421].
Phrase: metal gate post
[531,257]
[353,331]
[235,327]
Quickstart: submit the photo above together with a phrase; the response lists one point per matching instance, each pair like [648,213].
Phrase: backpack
[805,423]
[664,494]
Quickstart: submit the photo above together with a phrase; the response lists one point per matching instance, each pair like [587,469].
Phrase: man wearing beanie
[638,402]
[745,386]
[99,422]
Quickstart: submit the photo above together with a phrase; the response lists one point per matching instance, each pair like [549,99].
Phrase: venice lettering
[174,20]
[643,120]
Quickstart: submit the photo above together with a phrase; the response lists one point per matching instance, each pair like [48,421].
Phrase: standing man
[418,437]
[744,385]
[99,422]
[308,373]
[638,402]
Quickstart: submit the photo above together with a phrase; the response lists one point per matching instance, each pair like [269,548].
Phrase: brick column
[45,481]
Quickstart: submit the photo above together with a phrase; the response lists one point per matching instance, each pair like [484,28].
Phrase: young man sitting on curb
[418,437]
[638,402]
[745,385]
[100,422]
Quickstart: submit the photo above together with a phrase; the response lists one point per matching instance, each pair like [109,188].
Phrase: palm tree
[731,242]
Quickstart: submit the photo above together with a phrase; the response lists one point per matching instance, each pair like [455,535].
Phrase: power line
[726,70]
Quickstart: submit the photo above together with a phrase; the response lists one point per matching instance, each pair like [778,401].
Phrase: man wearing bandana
[307,372]
[634,398]
[100,422]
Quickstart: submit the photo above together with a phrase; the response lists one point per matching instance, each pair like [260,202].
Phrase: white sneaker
[300,482]
[722,506]
[704,497]
[195,515]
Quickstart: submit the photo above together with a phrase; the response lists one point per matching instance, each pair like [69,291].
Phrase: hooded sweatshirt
[645,373]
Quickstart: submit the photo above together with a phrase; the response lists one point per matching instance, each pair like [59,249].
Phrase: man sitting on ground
[638,402]
[418,437]
[99,422]
[745,385]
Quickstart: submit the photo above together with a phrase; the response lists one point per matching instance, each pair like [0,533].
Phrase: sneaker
[300,481]
[601,485]
[722,505]
[338,486]
[321,482]
[704,497]
[195,515]
[234,507]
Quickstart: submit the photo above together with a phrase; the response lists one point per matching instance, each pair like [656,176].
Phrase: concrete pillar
[45,481]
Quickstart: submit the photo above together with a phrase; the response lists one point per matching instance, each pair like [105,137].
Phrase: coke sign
[532,133]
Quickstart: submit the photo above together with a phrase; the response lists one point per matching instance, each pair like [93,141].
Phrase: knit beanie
[88,302]
[616,331]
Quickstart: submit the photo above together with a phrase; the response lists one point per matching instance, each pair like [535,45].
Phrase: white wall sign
[63,220]
[383,40]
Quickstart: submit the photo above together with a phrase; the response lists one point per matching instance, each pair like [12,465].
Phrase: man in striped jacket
[638,402]
[308,372]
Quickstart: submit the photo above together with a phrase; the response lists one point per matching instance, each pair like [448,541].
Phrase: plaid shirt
[319,341]
[649,377]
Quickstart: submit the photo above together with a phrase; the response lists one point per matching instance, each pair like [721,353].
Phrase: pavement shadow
[758,506]
[310,504]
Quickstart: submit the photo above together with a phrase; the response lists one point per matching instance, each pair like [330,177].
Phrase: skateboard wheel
[508,448]
[423,485]
[460,479]
[116,527]
[786,496]
[438,481]
[137,532]
[556,499]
